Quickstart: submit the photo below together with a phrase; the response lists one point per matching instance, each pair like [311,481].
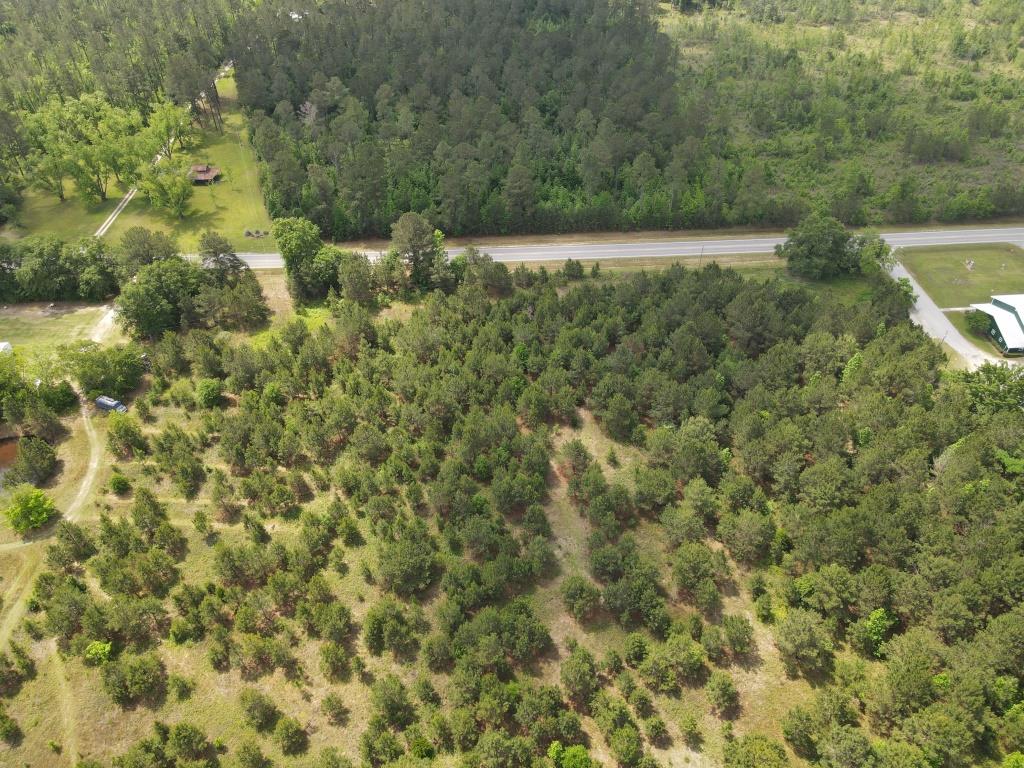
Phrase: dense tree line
[543,117]
[538,116]
[157,290]
[598,122]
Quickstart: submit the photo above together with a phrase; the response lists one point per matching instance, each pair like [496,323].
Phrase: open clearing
[70,219]
[274,283]
[943,272]
[38,327]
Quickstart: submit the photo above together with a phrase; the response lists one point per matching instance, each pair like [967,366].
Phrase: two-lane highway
[687,248]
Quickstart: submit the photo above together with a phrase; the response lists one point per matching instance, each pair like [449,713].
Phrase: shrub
[799,729]
[581,597]
[635,650]
[755,751]
[132,679]
[869,633]
[334,661]
[330,757]
[535,521]
[187,742]
[656,730]
[641,702]
[97,653]
[250,756]
[407,561]
[978,322]
[291,736]
[627,746]
[124,435]
[689,729]
[180,687]
[713,644]
[386,627]
[763,608]
[391,700]
[335,709]
[579,675]
[804,642]
[10,731]
[209,392]
[119,484]
[258,710]
[722,693]
[29,509]
[739,634]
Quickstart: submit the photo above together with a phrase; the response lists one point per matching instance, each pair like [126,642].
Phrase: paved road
[693,248]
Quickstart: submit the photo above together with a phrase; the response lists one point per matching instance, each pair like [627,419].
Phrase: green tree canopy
[29,508]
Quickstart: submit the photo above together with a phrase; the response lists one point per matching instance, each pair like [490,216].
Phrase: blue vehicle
[105,403]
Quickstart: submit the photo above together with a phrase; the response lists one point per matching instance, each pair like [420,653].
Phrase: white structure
[1005,324]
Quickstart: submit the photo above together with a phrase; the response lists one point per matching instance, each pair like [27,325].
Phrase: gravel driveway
[934,322]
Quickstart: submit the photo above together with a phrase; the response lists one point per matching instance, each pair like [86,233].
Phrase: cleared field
[231,206]
[70,219]
[282,309]
[943,272]
[37,327]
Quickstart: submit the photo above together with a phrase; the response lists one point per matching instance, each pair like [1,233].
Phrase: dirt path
[25,580]
[69,743]
[17,596]
[104,326]
[16,607]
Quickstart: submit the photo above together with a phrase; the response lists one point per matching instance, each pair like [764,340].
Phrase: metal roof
[1009,323]
[1015,300]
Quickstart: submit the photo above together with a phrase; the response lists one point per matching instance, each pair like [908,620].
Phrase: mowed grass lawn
[942,272]
[32,328]
[43,214]
[231,206]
